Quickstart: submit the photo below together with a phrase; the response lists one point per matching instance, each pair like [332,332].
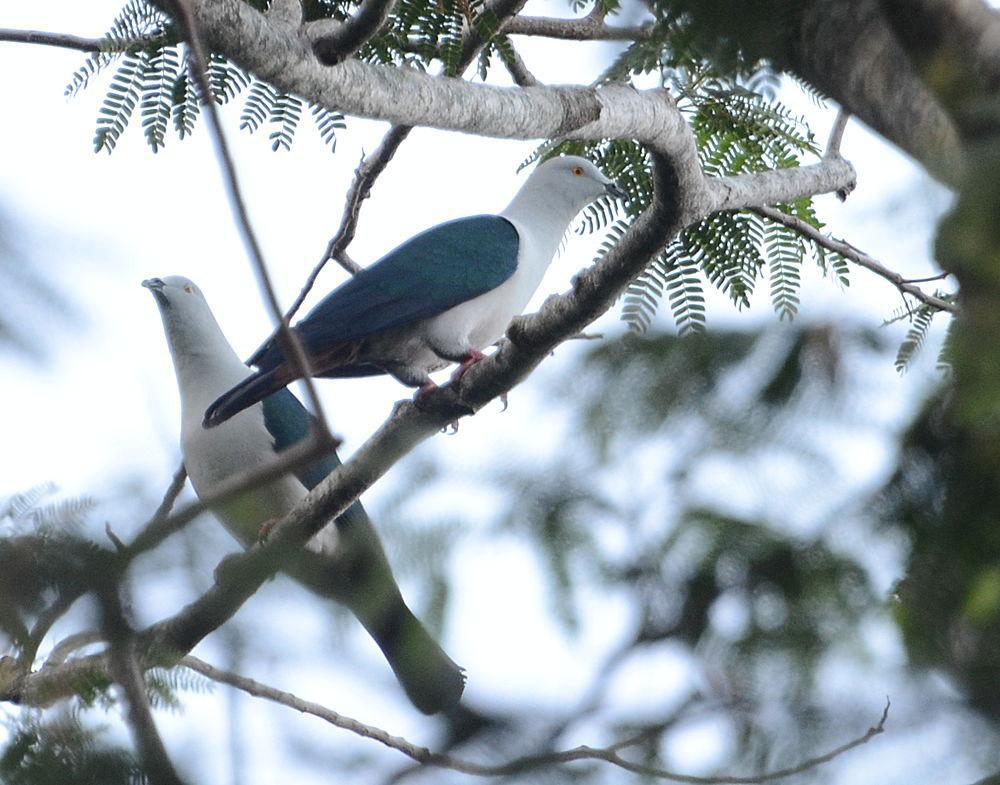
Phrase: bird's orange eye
[189,289]
[578,171]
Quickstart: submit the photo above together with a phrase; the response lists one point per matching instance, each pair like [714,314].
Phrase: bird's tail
[364,582]
[430,678]
[251,390]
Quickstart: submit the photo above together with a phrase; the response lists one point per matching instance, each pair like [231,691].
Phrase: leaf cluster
[64,750]
[152,77]
[739,129]
[751,598]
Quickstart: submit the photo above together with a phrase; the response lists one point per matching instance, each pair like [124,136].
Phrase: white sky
[104,406]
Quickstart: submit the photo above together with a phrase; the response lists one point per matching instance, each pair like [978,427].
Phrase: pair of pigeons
[440,297]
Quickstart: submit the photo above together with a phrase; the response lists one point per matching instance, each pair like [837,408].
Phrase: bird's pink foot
[265,529]
[425,388]
[470,359]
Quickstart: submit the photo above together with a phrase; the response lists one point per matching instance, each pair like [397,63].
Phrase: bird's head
[559,188]
[176,293]
[576,177]
[188,321]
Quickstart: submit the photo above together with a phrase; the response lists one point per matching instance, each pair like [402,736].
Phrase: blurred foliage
[704,490]
[943,497]
[61,751]
[44,559]
[29,303]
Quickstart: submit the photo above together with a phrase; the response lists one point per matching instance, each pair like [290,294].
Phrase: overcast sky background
[102,408]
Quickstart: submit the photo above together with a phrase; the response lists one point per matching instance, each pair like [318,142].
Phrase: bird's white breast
[238,445]
[481,321]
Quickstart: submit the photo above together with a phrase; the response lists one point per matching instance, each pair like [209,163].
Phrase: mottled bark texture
[849,50]
[845,48]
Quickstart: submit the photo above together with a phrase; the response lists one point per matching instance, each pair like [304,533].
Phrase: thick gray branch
[780,185]
[848,49]
[410,97]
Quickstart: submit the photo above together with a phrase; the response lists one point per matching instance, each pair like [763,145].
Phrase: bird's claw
[503,401]
[451,428]
[265,530]
[470,359]
[424,390]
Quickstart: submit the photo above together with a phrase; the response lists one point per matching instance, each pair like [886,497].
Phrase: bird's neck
[205,364]
[546,211]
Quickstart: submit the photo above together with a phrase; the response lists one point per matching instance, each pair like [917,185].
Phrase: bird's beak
[616,191]
[156,285]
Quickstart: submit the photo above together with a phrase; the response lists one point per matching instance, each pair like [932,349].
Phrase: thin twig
[289,341]
[427,757]
[61,651]
[518,70]
[860,258]
[301,454]
[63,40]
[928,279]
[365,176]
[837,134]
[46,619]
[588,28]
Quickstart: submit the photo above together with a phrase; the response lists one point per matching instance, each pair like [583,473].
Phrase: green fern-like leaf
[784,259]
[120,102]
[285,115]
[158,83]
[259,106]
[328,123]
[915,336]
[185,103]
[137,21]
[226,79]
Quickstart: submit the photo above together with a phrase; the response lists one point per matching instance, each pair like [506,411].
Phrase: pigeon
[344,562]
[440,297]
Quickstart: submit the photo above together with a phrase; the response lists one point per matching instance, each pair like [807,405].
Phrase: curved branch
[406,96]
[955,46]
[423,755]
[334,41]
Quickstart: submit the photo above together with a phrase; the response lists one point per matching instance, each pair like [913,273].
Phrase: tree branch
[334,41]
[955,46]
[286,13]
[588,28]
[371,168]
[62,40]
[518,70]
[425,756]
[123,665]
[860,258]
[364,178]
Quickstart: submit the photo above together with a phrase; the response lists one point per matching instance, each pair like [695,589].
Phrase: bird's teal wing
[428,274]
[288,422]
